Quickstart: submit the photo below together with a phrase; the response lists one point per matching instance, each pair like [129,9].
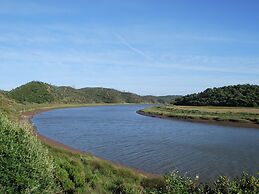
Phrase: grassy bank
[56,169]
[238,116]
[84,173]
[74,171]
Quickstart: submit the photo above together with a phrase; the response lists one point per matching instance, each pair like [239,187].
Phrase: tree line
[245,95]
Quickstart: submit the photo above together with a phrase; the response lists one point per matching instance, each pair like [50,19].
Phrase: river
[155,145]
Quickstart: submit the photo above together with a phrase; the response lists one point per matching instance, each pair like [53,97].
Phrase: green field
[244,115]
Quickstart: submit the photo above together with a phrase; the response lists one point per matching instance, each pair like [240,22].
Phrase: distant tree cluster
[238,95]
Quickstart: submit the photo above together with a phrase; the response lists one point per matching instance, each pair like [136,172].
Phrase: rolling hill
[39,92]
[237,95]
[33,92]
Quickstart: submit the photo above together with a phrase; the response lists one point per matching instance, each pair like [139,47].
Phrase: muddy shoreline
[27,117]
[202,121]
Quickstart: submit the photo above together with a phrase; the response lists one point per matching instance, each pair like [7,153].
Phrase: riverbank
[99,171]
[225,116]
[27,116]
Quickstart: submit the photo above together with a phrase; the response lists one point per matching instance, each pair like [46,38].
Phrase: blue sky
[154,47]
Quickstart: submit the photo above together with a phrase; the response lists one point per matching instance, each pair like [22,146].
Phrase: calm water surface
[155,145]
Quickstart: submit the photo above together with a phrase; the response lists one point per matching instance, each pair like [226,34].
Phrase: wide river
[155,145]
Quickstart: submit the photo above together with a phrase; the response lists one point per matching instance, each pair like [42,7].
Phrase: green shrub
[120,187]
[176,184]
[180,185]
[65,182]
[25,166]
[154,185]
[244,184]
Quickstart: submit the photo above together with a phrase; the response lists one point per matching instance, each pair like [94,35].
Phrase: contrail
[128,45]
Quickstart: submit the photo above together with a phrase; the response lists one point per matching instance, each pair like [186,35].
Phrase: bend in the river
[155,145]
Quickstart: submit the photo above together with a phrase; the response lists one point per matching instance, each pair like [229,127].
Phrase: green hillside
[167,99]
[33,92]
[39,92]
[66,94]
[108,95]
[236,95]
[9,106]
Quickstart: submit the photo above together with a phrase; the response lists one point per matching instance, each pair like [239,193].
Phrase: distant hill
[162,99]
[237,95]
[39,92]
[34,92]
[167,99]
[108,95]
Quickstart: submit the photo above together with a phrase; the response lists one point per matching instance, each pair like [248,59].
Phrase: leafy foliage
[245,184]
[25,166]
[177,184]
[237,95]
[174,183]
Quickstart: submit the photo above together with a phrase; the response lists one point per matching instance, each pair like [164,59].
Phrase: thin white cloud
[132,48]
[105,50]
[121,60]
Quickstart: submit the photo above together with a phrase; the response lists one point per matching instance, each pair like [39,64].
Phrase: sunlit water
[119,134]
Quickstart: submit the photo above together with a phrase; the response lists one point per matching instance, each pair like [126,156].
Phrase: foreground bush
[177,184]
[82,173]
[25,166]
[244,184]
[174,183]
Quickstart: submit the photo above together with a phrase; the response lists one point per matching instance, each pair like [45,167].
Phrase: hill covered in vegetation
[33,92]
[237,95]
[39,92]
